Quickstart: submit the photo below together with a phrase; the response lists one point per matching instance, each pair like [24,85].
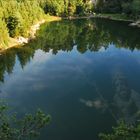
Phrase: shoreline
[113,17]
[132,23]
[99,16]
[20,40]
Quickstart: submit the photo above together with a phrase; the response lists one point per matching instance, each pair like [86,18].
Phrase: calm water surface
[85,74]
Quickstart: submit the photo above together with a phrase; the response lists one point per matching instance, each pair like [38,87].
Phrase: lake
[84,73]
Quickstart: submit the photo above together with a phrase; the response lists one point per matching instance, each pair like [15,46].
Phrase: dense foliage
[26,128]
[16,17]
[19,15]
[129,7]
[67,7]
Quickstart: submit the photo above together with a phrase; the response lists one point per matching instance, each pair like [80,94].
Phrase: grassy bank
[52,18]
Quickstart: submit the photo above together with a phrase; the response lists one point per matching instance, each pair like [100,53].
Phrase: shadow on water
[88,38]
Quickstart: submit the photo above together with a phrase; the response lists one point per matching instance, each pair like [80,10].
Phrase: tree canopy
[129,7]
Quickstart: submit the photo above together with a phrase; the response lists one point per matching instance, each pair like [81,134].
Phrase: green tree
[12,24]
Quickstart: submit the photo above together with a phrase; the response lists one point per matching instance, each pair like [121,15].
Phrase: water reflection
[125,104]
[87,35]
[126,100]
[87,69]
[98,103]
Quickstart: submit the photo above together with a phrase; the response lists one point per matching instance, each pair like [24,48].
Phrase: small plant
[26,128]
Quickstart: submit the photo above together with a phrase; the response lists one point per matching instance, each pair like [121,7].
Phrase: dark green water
[85,74]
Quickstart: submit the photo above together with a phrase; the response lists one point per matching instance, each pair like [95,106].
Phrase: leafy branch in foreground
[26,128]
[123,132]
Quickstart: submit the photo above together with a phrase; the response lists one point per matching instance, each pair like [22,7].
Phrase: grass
[49,18]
